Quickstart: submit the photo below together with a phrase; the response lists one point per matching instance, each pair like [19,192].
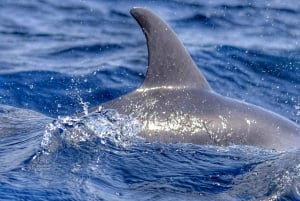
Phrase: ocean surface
[58,58]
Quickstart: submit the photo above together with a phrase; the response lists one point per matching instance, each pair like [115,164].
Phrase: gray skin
[176,104]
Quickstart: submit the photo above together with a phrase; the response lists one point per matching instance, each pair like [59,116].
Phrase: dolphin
[175,103]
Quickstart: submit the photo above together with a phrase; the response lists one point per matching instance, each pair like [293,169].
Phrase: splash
[105,126]
[85,105]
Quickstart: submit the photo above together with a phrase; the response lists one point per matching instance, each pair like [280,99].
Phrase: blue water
[59,57]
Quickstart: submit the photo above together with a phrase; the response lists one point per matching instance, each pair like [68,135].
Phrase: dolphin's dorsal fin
[169,63]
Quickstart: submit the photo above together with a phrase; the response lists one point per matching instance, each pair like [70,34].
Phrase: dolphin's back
[202,117]
[176,104]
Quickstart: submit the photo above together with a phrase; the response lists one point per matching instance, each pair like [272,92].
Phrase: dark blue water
[59,57]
